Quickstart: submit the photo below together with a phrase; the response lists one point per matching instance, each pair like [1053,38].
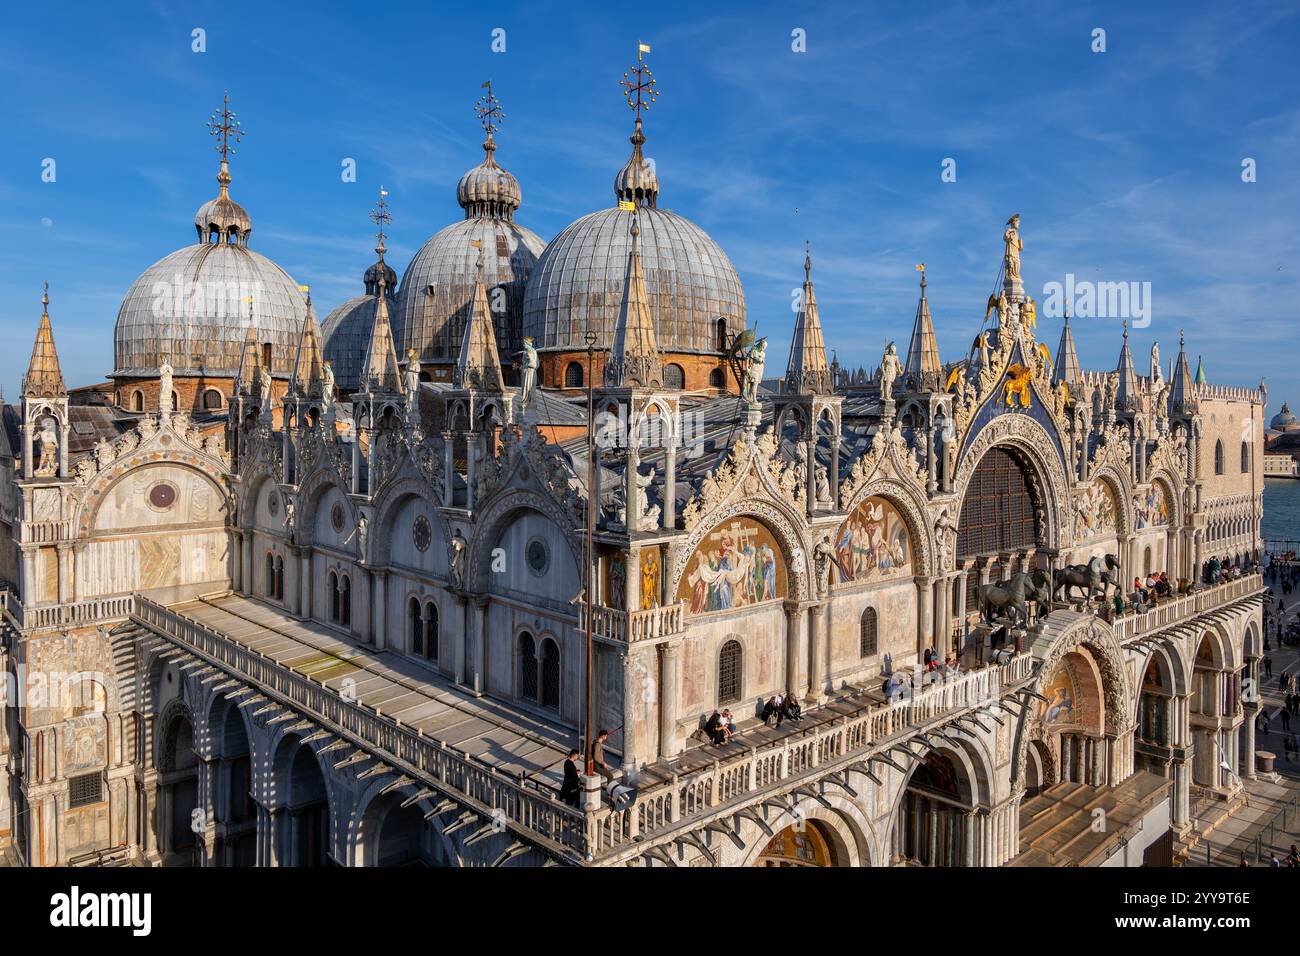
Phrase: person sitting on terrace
[790,708]
[728,726]
[1119,604]
[571,788]
[772,709]
[892,687]
[713,727]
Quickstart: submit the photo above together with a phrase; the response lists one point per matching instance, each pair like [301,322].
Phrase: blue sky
[1125,165]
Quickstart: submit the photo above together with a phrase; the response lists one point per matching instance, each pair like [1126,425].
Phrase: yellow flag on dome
[643,47]
[626,206]
[303,288]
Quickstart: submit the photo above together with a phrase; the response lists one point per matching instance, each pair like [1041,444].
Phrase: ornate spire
[44,378]
[922,364]
[250,358]
[381,270]
[807,371]
[222,219]
[308,366]
[1182,394]
[637,181]
[479,364]
[1201,377]
[1067,357]
[379,371]
[634,360]
[1126,394]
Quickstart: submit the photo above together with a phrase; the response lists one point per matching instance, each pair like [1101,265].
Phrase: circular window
[273,503]
[421,533]
[336,517]
[162,496]
[538,556]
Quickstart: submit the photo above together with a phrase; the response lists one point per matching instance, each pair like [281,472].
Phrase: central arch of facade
[1081,728]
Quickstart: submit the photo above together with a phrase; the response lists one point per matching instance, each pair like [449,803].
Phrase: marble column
[670,677]
[379,609]
[669,508]
[462,651]
[792,642]
[448,474]
[484,648]
[817,655]
[924,616]
[305,609]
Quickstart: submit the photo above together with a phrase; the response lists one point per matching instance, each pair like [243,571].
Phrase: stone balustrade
[840,742]
[533,813]
[100,610]
[1132,627]
[633,626]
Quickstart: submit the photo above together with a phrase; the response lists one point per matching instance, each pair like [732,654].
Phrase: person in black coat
[714,729]
[790,708]
[572,786]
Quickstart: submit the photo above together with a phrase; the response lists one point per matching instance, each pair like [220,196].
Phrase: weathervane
[225,129]
[381,217]
[488,108]
[639,85]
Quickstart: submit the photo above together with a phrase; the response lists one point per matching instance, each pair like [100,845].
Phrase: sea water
[1282,510]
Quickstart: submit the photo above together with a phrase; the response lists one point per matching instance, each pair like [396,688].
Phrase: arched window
[729,672]
[997,514]
[723,340]
[345,600]
[176,401]
[266,356]
[270,574]
[333,580]
[674,376]
[715,379]
[1146,562]
[415,627]
[431,631]
[211,398]
[1245,457]
[137,401]
[527,667]
[573,375]
[550,674]
[1218,457]
[279,578]
[867,638]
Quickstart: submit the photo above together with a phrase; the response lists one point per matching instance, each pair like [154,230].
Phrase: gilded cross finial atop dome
[637,181]
[490,117]
[381,217]
[222,219]
[227,131]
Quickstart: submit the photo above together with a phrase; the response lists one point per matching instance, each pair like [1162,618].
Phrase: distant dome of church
[578,283]
[346,330]
[1284,421]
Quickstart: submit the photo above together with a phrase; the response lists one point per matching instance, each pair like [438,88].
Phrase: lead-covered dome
[577,284]
[346,330]
[433,300]
[191,309]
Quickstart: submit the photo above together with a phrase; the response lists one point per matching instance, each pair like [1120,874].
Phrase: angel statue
[644,517]
[165,388]
[327,386]
[412,377]
[528,363]
[755,360]
[890,369]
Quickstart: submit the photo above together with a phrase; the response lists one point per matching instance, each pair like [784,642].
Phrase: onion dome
[223,219]
[487,190]
[437,289]
[636,182]
[196,308]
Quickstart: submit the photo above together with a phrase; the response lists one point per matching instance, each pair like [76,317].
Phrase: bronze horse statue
[1092,577]
[1014,594]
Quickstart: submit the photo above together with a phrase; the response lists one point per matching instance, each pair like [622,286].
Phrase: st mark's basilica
[285,592]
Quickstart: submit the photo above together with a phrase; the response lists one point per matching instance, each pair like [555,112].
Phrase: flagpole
[588,572]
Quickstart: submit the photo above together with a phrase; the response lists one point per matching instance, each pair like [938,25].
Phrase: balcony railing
[1176,611]
[536,814]
[636,626]
[661,808]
